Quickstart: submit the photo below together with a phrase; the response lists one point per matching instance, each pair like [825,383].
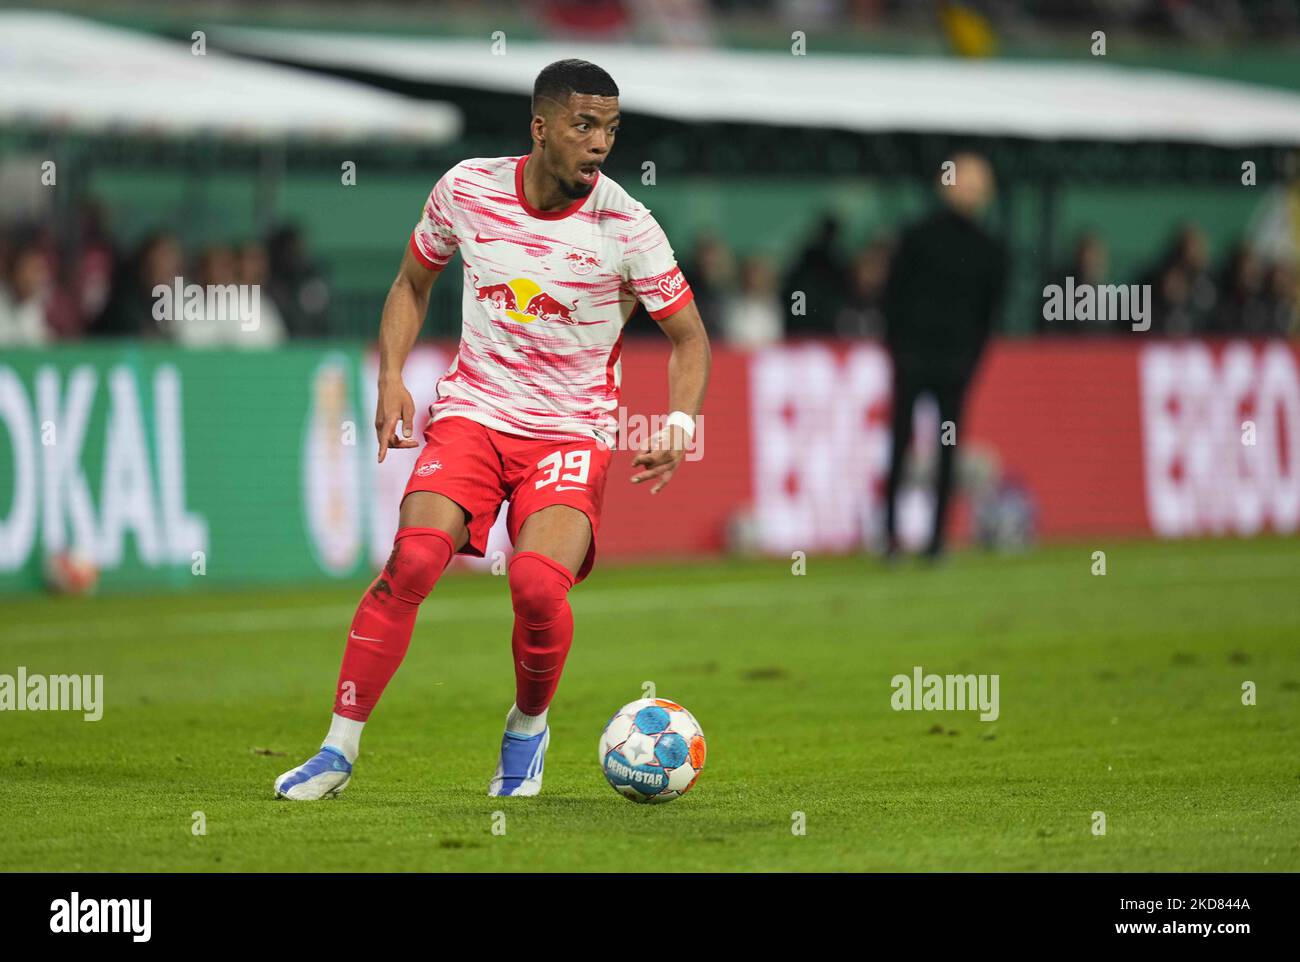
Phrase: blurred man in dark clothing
[818,272]
[862,313]
[945,288]
[297,284]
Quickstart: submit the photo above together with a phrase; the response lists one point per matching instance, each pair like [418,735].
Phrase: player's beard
[571,187]
[574,189]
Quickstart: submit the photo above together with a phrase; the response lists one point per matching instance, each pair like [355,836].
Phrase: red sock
[539,589]
[381,629]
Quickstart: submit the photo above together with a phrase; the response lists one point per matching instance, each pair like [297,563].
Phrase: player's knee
[539,587]
[416,562]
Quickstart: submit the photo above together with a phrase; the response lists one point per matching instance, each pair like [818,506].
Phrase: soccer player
[556,257]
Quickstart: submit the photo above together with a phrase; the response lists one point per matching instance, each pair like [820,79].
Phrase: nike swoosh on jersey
[353,634]
[570,487]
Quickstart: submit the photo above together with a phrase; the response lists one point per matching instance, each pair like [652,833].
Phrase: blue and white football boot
[519,772]
[323,775]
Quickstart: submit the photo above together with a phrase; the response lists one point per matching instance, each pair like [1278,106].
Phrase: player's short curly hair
[564,77]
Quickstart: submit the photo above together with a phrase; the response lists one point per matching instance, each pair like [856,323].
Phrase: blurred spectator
[244,316]
[969,32]
[1273,231]
[297,285]
[818,272]
[586,19]
[1088,264]
[25,289]
[1192,257]
[670,23]
[945,287]
[92,275]
[212,324]
[1171,312]
[1171,304]
[862,313]
[711,273]
[158,260]
[754,316]
[1183,293]
[1242,309]
[253,270]
[971,27]
[93,289]
[87,286]
[1281,301]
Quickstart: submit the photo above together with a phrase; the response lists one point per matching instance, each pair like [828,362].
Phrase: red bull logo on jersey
[580,261]
[524,300]
[499,294]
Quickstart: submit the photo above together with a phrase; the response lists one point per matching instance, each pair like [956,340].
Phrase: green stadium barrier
[167,466]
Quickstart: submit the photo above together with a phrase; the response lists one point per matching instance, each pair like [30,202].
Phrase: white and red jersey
[546,297]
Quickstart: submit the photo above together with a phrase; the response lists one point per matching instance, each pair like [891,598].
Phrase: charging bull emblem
[581,262]
[524,300]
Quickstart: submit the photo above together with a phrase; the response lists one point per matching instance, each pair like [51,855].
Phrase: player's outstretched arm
[688,376]
[404,310]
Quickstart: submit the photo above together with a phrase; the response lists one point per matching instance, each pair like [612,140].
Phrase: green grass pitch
[1119,694]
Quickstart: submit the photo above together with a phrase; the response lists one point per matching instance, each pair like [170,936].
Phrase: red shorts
[479,467]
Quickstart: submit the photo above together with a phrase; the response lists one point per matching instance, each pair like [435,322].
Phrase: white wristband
[684,421]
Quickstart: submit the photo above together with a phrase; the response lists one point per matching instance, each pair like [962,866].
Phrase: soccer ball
[652,750]
[71,573]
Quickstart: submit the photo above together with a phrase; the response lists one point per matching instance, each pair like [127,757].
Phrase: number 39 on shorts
[575,464]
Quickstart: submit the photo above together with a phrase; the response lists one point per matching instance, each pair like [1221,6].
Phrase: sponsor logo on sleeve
[672,285]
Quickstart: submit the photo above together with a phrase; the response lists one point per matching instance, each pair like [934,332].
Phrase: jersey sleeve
[651,270]
[434,239]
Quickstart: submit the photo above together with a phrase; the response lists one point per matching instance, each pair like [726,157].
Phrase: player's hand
[395,403]
[660,456]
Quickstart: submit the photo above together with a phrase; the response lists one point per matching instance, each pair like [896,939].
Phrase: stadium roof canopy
[1093,102]
[63,73]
